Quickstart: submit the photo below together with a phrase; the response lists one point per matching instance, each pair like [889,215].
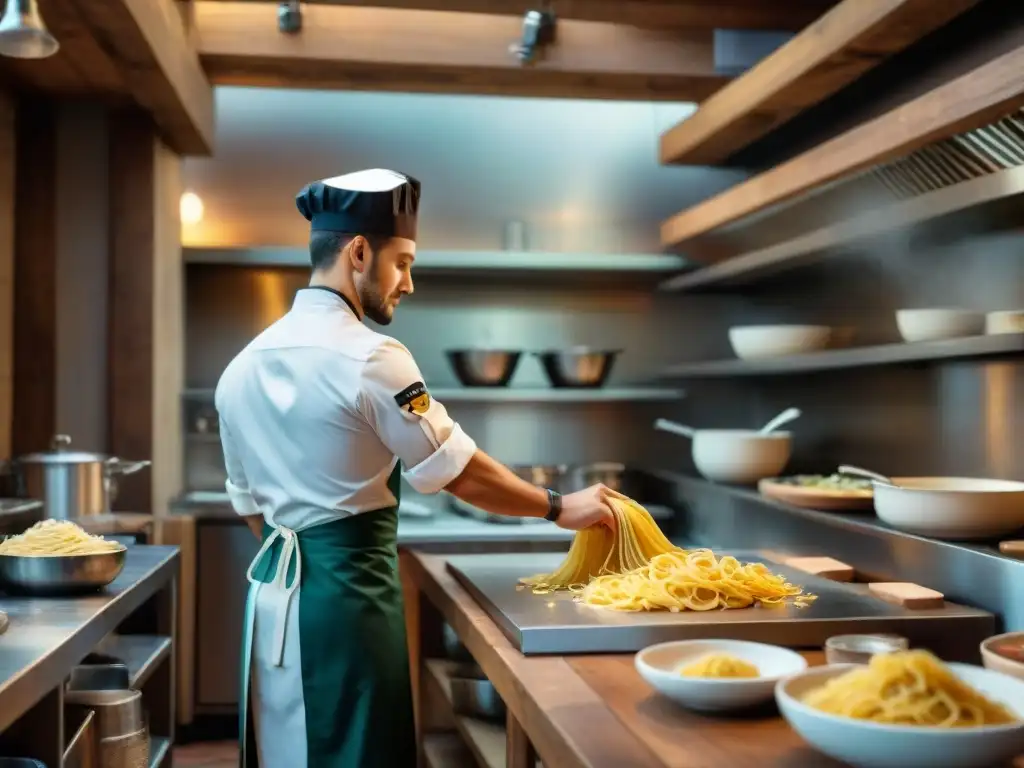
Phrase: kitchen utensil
[1007,321]
[867,474]
[608,473]
[71,484]
[866,744]
[118,713]
[1012,548]
[661,665]
[753,342]
[788,415]
[936,324]
[858,649]
[789,491]
[59,574]
[483,367]
[99,672]
[951,507]
[907,594]
[734,455]
[82,749]
[476,697]
[578,366]
[1005,653]
[825,567]
[128,751]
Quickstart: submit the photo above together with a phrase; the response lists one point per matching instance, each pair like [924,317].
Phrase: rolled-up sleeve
[416,428]
[237,485]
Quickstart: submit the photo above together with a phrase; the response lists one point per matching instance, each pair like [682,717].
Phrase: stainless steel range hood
[962,185]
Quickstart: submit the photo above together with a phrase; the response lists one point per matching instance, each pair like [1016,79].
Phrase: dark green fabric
[355,662]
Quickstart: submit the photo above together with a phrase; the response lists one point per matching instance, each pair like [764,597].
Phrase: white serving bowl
[659,665]
[864,744]
[741,456]
[1006,321]
[994,661]
[752,342]
[951,507]
[935,324]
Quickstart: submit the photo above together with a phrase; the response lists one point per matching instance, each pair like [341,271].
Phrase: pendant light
[23,35]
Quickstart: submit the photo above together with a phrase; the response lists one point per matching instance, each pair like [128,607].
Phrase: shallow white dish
[659,665]
[951,507]
[753,342]
[1005,321]
[936,324]
[864,744]
[998,662]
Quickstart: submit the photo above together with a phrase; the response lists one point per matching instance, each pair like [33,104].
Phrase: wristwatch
[554,505]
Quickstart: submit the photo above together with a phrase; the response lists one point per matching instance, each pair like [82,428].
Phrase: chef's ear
[359,253]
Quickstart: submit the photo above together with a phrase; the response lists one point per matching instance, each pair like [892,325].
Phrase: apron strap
[282,591]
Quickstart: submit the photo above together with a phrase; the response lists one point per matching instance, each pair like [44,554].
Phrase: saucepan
[946,507]
[741,456]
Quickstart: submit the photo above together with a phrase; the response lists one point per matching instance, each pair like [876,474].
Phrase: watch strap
[554,505]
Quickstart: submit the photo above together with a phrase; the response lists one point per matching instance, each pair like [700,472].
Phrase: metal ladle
[849,469]
[785,417]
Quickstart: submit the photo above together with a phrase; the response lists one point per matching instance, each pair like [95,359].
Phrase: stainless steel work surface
[556,624]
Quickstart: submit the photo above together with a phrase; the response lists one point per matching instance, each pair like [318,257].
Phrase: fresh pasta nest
[55,538]
[636,568]
[907,688]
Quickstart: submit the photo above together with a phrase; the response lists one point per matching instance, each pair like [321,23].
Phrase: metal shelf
[142,654]
[455,262]
[857,357]
[996,188]
[514,395]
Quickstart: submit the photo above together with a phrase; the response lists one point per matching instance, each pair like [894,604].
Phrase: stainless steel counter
[556,623]
[48,636]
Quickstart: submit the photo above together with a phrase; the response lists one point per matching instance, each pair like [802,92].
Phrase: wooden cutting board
[815,498]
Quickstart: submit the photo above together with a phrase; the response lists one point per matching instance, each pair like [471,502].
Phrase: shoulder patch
[414,398]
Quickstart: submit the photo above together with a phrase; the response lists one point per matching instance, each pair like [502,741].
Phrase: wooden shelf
[485,740]
[159,751]
[467,262]
[830,53]
[963,197]
[505,395]
[974,99]
[856,357]
[141,653]
[447,750]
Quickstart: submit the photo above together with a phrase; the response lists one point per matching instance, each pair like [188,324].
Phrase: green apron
[355,685]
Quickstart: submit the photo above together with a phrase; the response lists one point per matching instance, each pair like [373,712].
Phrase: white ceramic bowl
[951,507]
[994,661]
[659,665]
[935,324]
[741,456]
[864,744]
[1006,321]
[751,342]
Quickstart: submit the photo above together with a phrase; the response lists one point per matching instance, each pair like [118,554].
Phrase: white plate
[659,665]
[865,744]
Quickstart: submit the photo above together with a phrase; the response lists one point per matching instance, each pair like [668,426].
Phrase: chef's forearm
[491,486]
[255,523]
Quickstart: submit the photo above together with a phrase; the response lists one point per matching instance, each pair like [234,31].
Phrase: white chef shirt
[315,412]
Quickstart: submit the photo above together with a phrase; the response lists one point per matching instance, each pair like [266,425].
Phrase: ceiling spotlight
[538,31]
[23,35]
[191,208]
[289,17]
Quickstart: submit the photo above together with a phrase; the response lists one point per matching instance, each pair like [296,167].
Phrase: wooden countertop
[595,711]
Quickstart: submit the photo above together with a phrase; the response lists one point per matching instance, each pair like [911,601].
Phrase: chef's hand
[591,506]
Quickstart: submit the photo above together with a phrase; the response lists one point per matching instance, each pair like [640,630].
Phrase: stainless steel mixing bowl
[578,367]
[483,367]
[53,575]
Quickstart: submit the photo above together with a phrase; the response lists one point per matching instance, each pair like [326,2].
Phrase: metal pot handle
[116,466]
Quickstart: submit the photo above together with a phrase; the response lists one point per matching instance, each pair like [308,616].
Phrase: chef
[320,417]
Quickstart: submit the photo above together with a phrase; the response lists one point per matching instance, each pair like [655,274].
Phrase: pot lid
[61,454]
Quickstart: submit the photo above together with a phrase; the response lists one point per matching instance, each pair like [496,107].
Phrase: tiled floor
[210,754]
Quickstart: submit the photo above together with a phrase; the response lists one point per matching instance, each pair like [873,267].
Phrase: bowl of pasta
[57,557]
[907,710]
[717,675]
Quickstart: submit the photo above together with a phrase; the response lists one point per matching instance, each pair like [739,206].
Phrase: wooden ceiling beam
[386,49]
[159,65]
[831,53]
[652,14]
[972,100]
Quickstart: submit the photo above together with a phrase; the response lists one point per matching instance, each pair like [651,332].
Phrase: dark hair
[325,246]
